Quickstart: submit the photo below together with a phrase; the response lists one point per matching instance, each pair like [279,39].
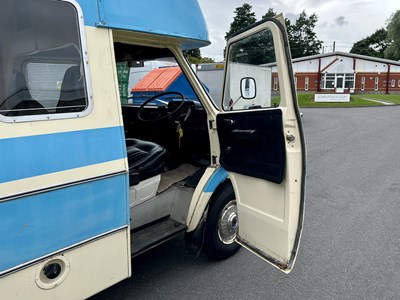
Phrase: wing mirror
[248,88]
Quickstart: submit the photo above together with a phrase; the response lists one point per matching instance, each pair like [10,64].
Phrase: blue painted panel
[216,178]
[177,18]
[30,156]
[90,11]
[38,225]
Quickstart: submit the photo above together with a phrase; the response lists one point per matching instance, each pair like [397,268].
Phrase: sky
[341,21]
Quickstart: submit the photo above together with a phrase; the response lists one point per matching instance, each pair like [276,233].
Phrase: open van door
[262,144]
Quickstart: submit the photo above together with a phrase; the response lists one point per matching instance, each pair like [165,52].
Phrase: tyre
[222,225]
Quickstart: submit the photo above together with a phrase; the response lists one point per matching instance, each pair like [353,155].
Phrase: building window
[295,82]
[393,83]
[362,83]
[349,81]
[307,79]
[275,83]
[328,80]
[376,83]
[398,83]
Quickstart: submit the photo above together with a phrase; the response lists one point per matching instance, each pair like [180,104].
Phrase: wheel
[222,225]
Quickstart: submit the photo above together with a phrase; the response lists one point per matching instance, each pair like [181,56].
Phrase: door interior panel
[252,143]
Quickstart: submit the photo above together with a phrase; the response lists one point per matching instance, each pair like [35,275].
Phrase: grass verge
[307,100]
[391,98]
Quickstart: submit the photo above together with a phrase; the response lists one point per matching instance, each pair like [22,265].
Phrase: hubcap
[228,223]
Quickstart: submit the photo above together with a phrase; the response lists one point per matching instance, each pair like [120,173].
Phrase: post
[319,76]
[387,79]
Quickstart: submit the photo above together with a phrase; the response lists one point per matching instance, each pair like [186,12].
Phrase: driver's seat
[145,159]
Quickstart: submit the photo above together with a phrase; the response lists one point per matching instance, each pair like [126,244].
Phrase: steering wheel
[162,113]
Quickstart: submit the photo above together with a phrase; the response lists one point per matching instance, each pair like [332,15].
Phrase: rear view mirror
[248,88]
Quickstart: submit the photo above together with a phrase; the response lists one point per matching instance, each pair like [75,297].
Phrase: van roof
[173,18]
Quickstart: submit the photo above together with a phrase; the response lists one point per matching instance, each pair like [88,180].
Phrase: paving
[379,101]
[350,247]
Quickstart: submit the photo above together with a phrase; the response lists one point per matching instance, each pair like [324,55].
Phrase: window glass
[329,82]
[349,81]
[275,83]
[40,59]
[251,72]
[155,77]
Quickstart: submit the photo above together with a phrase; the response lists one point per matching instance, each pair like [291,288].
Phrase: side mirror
[248,88]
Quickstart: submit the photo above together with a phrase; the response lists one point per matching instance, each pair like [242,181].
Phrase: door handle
[229,122]
[245,134]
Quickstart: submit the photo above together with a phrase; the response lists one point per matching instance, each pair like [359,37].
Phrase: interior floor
[176,175]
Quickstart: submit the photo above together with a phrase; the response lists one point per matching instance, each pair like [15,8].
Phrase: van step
[154,235]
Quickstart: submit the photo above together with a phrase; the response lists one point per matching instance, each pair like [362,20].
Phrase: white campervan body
[89,180]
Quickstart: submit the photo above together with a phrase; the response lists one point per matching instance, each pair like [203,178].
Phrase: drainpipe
[387,79]
[355,73]
[319,76]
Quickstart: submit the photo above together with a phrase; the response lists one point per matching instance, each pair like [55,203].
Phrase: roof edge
[347,54]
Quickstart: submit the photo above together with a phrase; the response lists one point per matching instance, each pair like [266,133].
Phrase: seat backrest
[72,94]
[20,102]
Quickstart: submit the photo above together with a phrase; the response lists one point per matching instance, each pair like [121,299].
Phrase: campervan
[88,180]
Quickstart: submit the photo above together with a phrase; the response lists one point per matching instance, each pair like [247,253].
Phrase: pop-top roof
[158,80]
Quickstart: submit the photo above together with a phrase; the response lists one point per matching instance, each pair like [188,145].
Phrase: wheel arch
[212,181]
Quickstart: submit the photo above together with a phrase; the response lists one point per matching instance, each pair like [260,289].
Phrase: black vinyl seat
[72,94]
[21,103]
[145,159]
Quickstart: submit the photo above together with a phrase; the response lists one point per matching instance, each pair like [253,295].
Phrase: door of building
[339,84]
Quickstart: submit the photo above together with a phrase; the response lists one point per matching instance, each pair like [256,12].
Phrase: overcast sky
[343,21]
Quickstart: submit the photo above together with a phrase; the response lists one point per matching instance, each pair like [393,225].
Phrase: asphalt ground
[350,247]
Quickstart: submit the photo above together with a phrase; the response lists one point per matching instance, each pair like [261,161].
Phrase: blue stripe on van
[217,177]
[41,224]
[29,156]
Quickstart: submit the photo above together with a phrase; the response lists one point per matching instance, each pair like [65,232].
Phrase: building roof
[158,80]
[351,55]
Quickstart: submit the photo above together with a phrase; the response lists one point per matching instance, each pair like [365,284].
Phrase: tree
[302,38]
[393,36]
[243,17]
[269,14]
[193,53]
[373,45]
[194,57]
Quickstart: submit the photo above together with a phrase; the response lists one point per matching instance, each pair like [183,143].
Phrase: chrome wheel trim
[228,223]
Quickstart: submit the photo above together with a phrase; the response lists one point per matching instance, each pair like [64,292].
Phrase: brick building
[340,72]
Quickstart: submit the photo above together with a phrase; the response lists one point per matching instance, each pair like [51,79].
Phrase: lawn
[307,100]
[392,98]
